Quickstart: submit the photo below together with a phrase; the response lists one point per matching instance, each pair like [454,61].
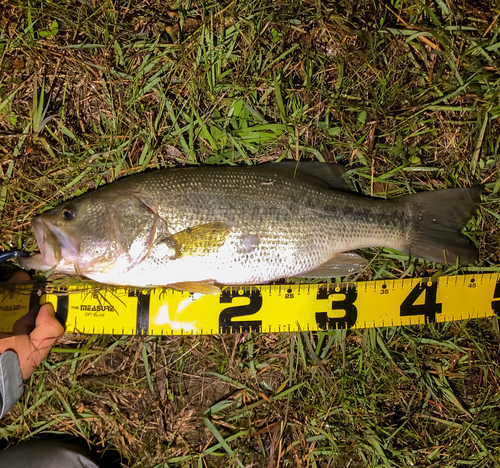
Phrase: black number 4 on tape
[428,309]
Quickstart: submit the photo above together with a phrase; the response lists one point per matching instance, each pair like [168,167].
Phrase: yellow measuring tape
[269,308]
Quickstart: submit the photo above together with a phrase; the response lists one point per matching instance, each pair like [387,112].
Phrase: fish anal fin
[202,287]
[341,264]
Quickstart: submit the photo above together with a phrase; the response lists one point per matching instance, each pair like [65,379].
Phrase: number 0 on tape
[269,308]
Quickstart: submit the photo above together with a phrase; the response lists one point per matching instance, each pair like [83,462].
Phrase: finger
[32,349]
[19,277]
[46,332]
[26,324]
[47,317]
[47,323]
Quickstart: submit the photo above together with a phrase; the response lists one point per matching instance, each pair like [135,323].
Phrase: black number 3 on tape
[347,305]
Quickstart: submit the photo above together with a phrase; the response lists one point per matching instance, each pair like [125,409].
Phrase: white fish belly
[244,258]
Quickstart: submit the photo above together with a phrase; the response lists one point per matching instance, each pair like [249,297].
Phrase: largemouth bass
[193,227]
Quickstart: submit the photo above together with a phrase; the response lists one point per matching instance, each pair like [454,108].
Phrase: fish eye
[67,214]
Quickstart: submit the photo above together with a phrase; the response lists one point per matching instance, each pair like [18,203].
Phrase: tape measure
[269,308]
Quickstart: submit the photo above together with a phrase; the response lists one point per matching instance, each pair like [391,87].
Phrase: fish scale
[246,225]
[297,227]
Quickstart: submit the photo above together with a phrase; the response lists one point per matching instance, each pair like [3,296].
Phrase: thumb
[46,332]
[46,320]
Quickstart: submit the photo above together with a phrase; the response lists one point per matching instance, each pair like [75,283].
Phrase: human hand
[33,334]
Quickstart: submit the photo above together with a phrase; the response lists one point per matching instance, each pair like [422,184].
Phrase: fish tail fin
[440,216]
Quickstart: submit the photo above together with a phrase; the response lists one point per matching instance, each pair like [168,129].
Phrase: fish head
[94,233]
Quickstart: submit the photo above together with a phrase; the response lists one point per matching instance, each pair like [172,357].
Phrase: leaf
[12,120]
[444,8]
[279,99]
[4,104]
[220,406]
[54,28]
[206,135]
[288,391]
[220,439]
[276,35]
[239,109]
[361,120]
[334,131]
[146,368]
[217,134]
[414,159]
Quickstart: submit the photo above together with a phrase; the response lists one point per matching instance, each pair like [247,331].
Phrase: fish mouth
[50,249]
[54,245]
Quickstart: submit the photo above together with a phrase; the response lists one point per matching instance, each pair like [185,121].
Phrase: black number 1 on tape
[143,301]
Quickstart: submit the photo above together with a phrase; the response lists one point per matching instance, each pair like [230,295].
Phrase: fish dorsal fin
[341,264]
[202,287]
[331,174]
[197,240]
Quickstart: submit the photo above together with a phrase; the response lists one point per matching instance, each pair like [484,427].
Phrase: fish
[197,228]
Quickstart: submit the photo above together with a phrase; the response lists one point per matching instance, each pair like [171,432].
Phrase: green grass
[404,93]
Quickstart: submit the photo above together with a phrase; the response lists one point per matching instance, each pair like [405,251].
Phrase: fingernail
[50,309]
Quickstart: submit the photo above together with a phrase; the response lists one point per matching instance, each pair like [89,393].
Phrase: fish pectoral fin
[202,287]
[197,240]
[341,264]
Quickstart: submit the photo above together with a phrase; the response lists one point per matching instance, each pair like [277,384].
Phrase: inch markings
[269,308]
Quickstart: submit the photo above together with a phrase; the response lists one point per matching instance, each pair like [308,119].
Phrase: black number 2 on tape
[226,324]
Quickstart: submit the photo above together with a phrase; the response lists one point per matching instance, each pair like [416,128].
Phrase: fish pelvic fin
[341,264]
[439,217]
[202,287]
